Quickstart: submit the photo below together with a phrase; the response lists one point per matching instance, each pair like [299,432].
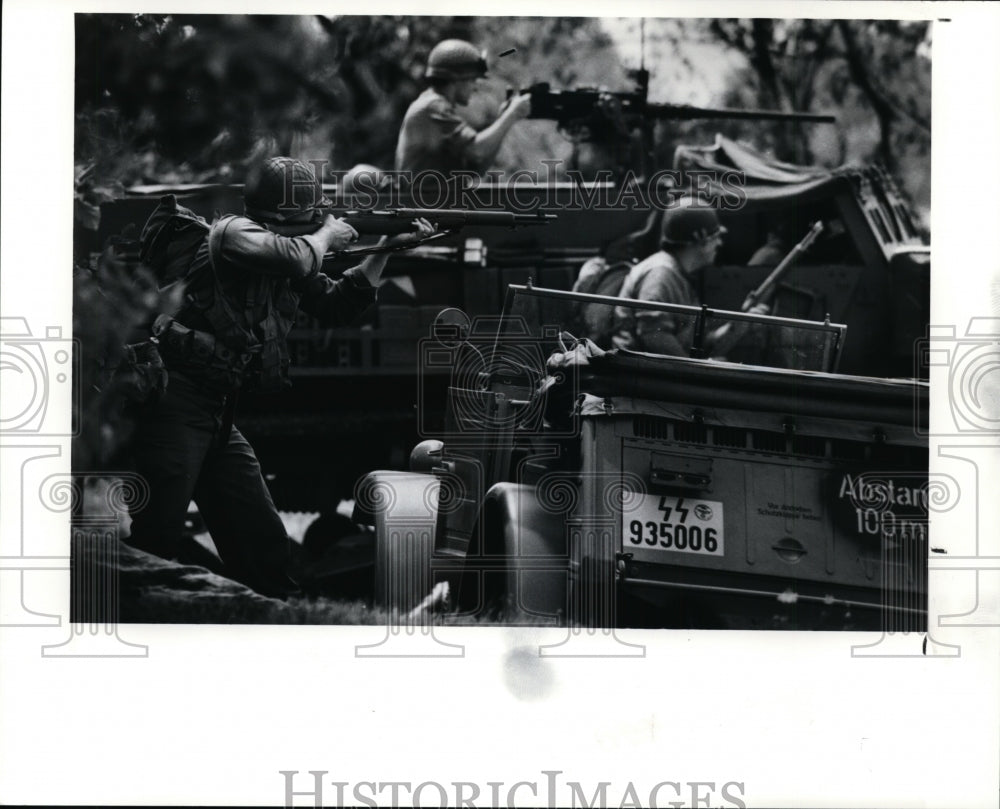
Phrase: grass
[155,590]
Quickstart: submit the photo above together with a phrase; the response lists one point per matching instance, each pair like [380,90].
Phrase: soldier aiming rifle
[246,280]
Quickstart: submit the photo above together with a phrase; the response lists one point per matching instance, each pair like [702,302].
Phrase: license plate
[673,524]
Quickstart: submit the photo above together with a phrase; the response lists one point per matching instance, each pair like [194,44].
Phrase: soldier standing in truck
[433,136]
[690,238]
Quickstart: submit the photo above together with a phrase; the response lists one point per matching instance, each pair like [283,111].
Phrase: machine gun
[593,114]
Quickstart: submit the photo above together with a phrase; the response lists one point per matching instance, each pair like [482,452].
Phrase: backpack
[598,277]
[170,240]
[178,245]
[168,245]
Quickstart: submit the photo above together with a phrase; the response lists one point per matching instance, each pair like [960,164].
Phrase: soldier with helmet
[246,283]
[433,136]
[690,238]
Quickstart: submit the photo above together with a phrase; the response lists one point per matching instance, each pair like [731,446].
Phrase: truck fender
[402,507]
[533,541]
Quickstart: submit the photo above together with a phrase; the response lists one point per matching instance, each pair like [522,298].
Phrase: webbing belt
[200,347]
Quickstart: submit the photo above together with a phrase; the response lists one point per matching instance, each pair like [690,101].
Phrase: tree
[198,92]
[875,73]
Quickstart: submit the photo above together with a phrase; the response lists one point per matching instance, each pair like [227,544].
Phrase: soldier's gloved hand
[759,309]
[421,230]
[339,234]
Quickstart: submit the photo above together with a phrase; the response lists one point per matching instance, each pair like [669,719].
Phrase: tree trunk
[773,97]
[880,104]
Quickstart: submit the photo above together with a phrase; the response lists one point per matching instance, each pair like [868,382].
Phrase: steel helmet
[455,59]
[690,222]
[281,189]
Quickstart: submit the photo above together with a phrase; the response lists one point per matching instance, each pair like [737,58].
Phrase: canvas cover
[628,378]
[767,179]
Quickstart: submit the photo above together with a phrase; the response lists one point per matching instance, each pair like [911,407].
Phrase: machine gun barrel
[584,103]
[400,220]
[685,112]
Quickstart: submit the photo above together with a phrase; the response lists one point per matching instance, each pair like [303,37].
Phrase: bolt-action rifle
[767,288]
[400,220]
[391,221]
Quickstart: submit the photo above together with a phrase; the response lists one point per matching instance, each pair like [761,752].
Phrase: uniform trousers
[178,452]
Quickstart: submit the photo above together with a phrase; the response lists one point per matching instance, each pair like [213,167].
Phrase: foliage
[199,92]
[110,304]
[875,74]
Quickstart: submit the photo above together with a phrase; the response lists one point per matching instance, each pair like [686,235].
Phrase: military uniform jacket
[246,295]
[657,278]
[433,137]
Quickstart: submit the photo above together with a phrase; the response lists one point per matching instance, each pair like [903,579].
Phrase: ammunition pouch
[273,374]
[141,376]
[203,351]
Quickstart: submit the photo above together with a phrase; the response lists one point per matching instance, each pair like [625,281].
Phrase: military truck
[629,489]
[785,489]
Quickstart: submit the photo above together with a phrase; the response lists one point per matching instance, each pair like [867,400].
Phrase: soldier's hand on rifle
[373,265]
[337,233]
[737,329]
[609,107]
[607,102]
[517,107]
[753,305]
[720,341]
[421,230]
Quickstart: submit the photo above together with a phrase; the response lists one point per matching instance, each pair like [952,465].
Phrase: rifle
[766,289]
[600,111]
[391,221]
[400,220]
